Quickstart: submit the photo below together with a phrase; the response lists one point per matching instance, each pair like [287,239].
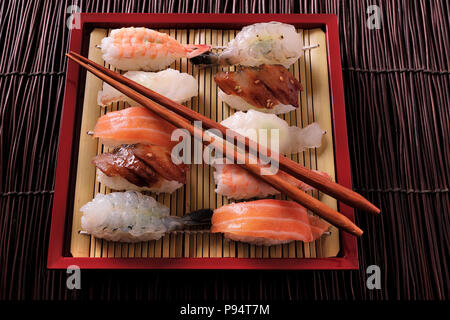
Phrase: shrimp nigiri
[144,49]
[267,222]
[236,183]
[132,217]
[134,125]
[256,44]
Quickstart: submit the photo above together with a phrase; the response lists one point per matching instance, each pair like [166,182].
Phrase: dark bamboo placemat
[396,82]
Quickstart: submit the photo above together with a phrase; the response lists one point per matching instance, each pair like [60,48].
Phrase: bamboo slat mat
[198,193]
[396,82]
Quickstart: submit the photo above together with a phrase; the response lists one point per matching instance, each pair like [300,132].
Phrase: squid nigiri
[257,44]
[267,222]
[133,217]
[144,49]
[133,125]
[291,139]
[236,183]
[268,88]
[140,167]
[170,83]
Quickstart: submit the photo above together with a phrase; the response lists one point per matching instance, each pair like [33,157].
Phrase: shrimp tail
[199,217]
[194,50]
[207,59]
[195,218]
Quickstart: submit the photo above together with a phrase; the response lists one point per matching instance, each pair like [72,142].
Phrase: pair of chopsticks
[181,117]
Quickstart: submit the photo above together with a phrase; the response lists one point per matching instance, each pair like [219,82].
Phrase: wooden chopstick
[295,169]
[242,159]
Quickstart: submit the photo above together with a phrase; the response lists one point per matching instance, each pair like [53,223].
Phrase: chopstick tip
[373,209]
[358,232]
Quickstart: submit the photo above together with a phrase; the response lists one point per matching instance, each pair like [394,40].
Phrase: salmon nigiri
[267,222]
[134,125]
[236,183]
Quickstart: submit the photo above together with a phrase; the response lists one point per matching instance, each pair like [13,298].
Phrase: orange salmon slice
[270,219]
[135,125]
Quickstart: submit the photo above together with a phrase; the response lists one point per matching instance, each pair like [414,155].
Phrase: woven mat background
[396,83]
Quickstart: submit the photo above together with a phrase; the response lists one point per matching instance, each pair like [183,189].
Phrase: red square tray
[58,254]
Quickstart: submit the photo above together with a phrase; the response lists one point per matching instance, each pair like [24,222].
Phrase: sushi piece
[291,138]
[257,44]
[133,125]
[144,49]
[268,88]
[133,217]
[236,183]
[238,103]
[119,183]
[170,83]
[140,167]
[267,222]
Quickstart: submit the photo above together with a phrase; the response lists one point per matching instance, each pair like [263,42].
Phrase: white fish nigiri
[265,43]
[291,139]
[170,83]
[257,44]
[132,217]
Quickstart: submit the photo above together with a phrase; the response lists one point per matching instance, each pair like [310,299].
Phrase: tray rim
[56,258]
